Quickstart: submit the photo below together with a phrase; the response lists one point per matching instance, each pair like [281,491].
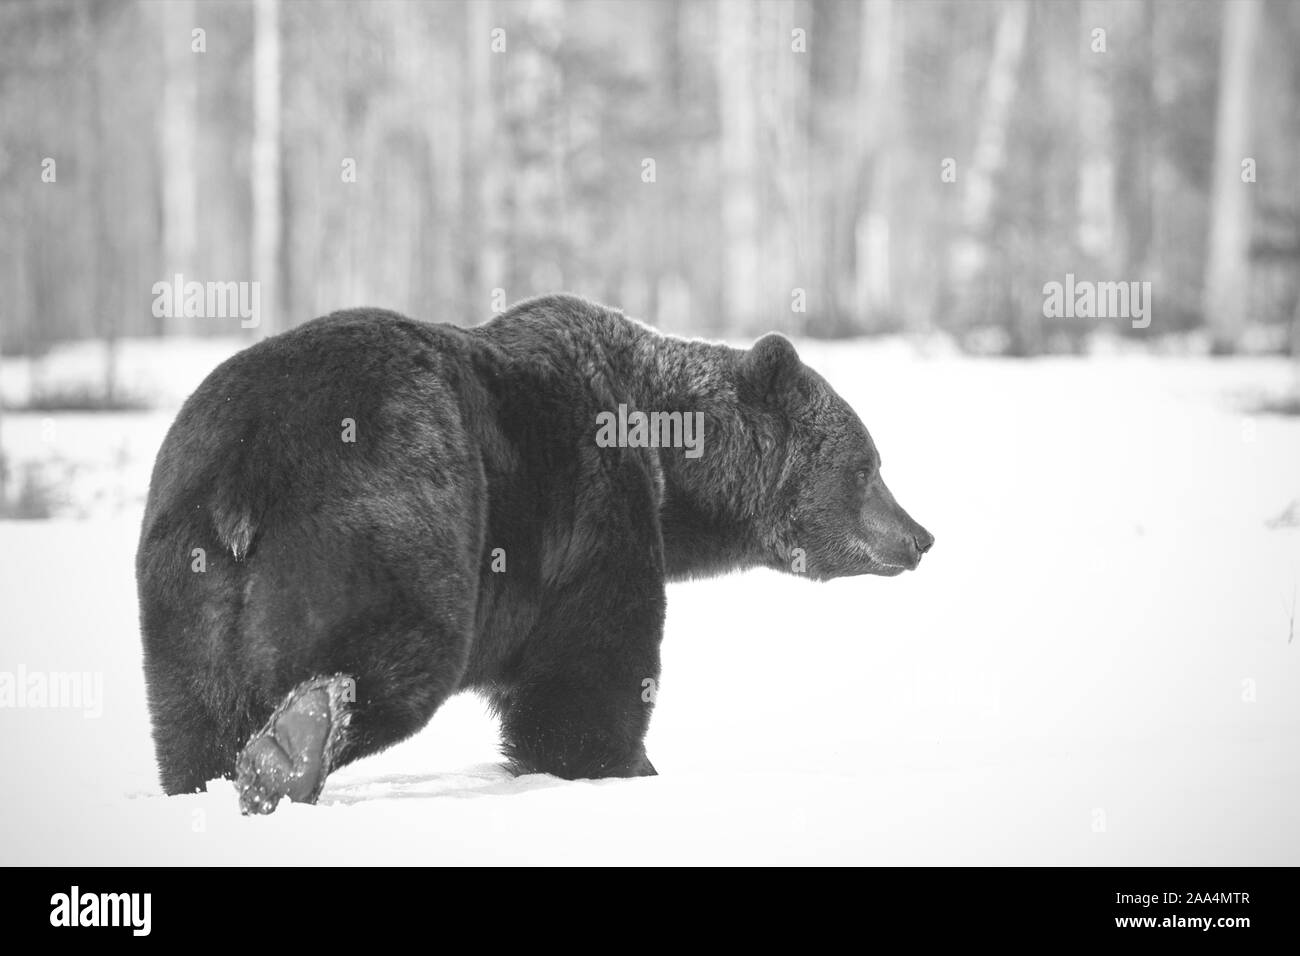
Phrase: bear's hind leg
[189,753]
[327,722]
[191,745]
[294,752]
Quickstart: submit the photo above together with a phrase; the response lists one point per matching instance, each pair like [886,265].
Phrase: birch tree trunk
[738,119]
[105,299]
[990,156]
[484,262]
[267,209]
[178,154]
[798,81]
[1227,274]
[1095,198]
[874,133]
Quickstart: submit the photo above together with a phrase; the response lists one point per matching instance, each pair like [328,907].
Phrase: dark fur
[373,560]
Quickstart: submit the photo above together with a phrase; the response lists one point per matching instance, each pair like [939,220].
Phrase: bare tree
[1096,184]
[107,304]
[265,173]
[737,139]
[874,133]
[1227,273]
[971,253]
[1136,139]
[484,264]
[178,136]
[795,137]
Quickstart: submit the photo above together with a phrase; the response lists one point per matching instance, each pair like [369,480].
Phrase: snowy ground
[1095,665]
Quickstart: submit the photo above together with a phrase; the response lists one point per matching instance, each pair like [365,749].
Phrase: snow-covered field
[1095,665]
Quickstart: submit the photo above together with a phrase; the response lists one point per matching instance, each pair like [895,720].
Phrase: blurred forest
[718,167]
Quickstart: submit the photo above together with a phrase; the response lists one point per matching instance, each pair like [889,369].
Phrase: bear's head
[832,514]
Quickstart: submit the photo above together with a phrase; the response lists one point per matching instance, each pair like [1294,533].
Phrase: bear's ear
[772,366]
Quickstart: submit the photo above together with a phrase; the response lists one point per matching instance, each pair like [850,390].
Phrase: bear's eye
[862,475]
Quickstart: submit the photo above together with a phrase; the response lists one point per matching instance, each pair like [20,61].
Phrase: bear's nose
[923,541]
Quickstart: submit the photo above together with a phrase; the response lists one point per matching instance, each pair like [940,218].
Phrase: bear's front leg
[577,704]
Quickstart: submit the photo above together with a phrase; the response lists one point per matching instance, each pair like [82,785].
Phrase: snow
[1095,664]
